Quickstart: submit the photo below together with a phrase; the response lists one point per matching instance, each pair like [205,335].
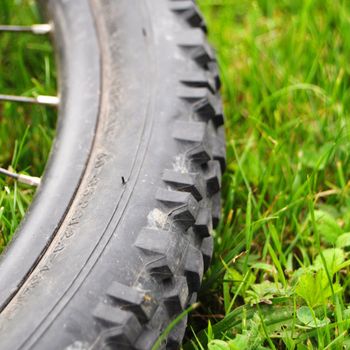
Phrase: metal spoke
[39,29]
[42,100]
[25,179]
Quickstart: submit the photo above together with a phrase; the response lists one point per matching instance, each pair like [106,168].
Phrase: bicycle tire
[116,242]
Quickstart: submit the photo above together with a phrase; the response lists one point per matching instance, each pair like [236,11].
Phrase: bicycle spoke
[25,179]
[42,100]
[39,29]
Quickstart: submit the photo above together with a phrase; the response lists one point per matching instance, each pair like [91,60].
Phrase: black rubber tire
[117,240]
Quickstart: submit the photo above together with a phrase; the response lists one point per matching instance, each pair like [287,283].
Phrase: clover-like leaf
[307,318]
[327,226]
[333,257]
[314,287]
[264,292]
[343,241]
[218,345]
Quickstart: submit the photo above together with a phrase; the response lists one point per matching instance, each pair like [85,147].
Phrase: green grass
[26,132]
[280,276]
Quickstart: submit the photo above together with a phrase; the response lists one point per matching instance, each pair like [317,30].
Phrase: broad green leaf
[240,342]
[264,292]
[306,317]
[333,258]
[343,240]
[314,287]
[218,345]
[327,226]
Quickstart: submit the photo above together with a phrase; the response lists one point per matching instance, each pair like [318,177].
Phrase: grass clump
[280,277]
[26,132]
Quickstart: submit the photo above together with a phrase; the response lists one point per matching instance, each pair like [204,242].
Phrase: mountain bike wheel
[116,242]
